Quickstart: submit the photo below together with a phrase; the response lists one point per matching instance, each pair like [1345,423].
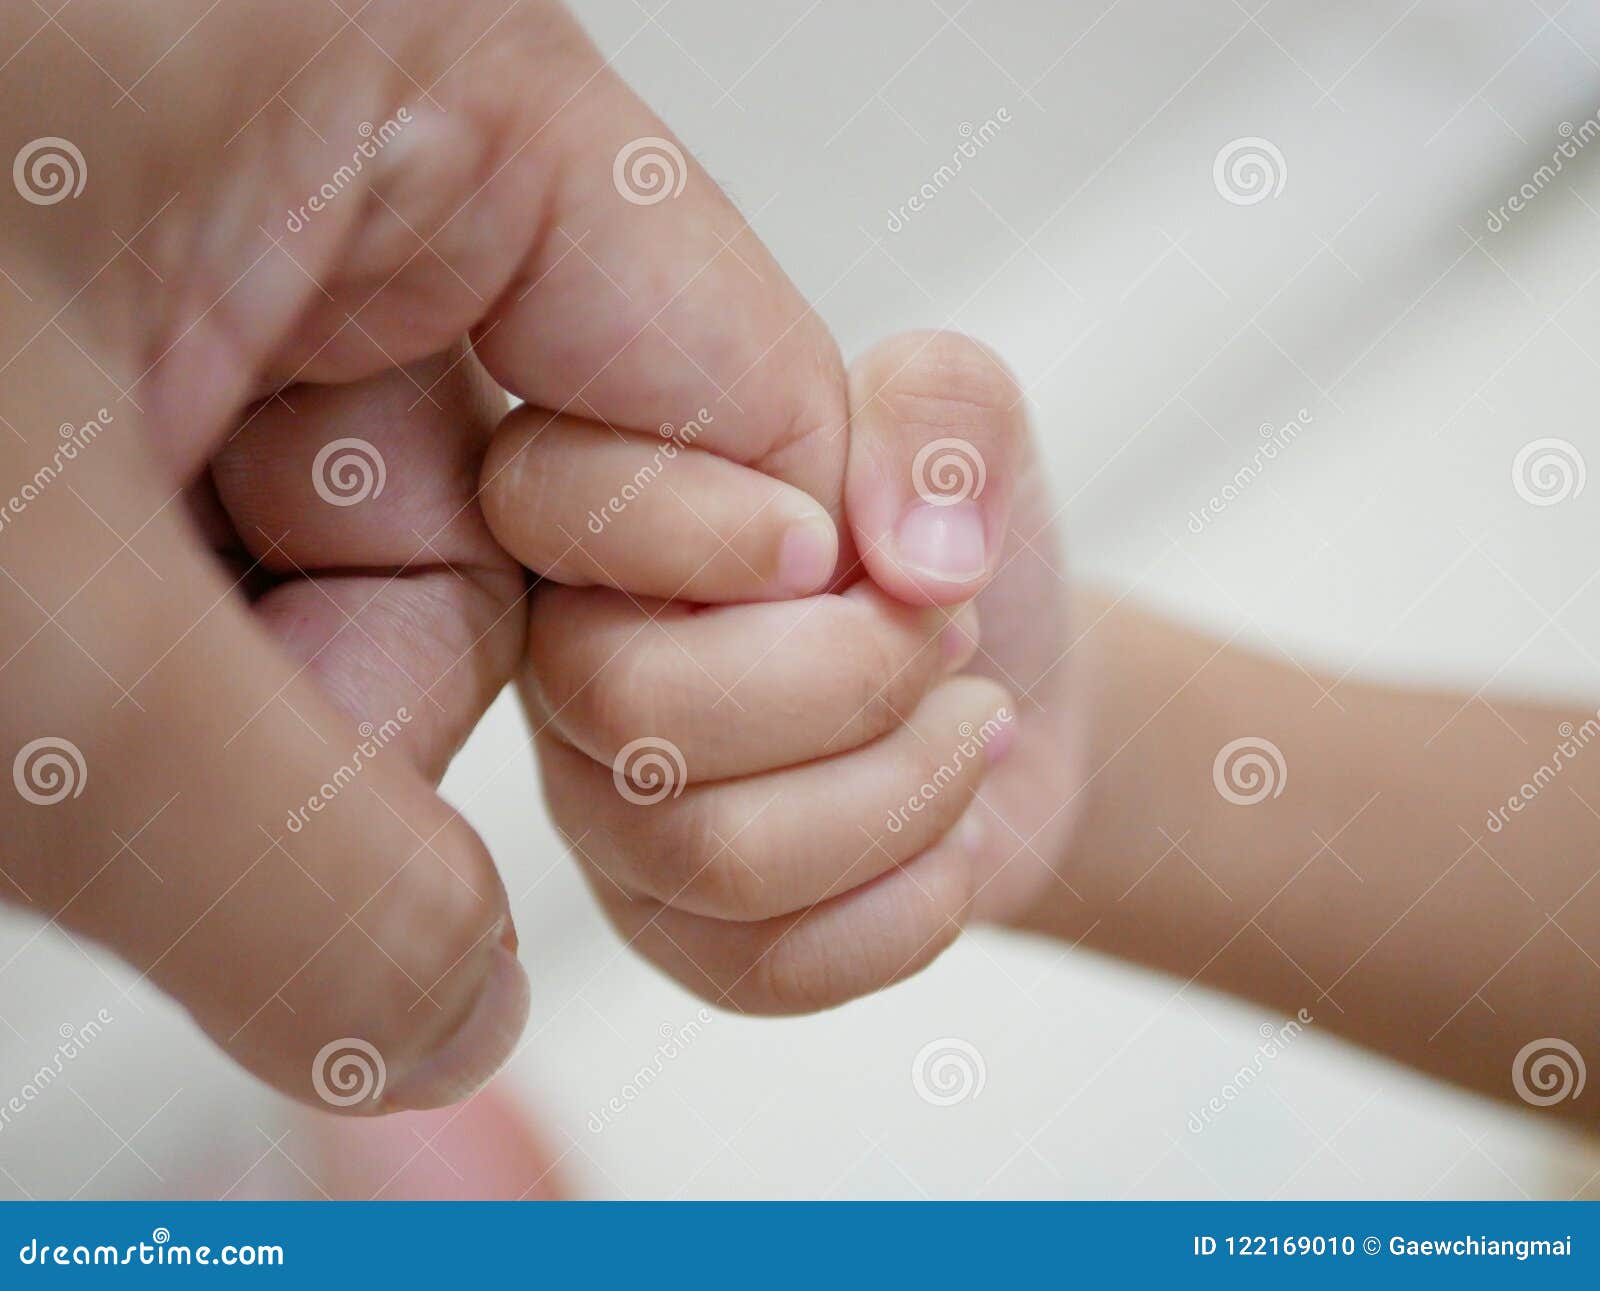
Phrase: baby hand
[791,803]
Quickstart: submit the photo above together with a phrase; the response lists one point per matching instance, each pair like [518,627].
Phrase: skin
[799,861]
[218,640]
[208,631]
[1372,893]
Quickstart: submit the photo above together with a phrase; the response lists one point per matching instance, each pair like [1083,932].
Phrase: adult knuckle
[426,926]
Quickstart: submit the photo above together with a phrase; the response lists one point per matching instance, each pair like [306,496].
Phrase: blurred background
[1180,221]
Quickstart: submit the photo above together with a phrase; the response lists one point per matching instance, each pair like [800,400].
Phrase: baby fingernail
[945,542]
[806,554]
[477,1049]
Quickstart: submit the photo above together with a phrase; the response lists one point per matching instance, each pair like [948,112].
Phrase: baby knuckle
[943,379]
[790,978]
[907,679]
[512,489]
[711,873]
[674,847]
[617,705]
[878,687]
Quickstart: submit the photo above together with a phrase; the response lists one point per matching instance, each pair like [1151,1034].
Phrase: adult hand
[243,254]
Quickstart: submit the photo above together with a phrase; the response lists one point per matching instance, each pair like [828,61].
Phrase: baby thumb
[937,426]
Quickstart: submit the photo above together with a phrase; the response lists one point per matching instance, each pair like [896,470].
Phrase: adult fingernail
[944,542]
[806,554]
[477,1049]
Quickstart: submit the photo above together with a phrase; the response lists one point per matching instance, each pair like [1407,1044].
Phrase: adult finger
[647,297]
[355,502]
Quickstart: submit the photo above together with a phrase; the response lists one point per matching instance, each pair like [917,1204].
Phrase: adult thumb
[185,794]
